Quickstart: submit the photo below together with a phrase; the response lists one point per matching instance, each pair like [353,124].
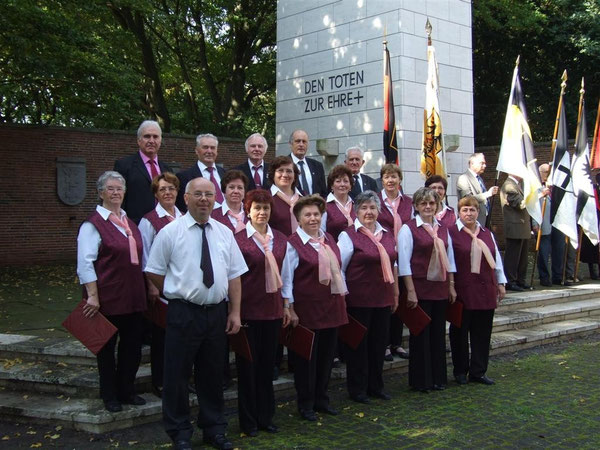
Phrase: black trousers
[256,400]
[476,326]
[311,378]
[515,260]
[117,378]
[364,366]
[195,337]
[427,358]
[157,355]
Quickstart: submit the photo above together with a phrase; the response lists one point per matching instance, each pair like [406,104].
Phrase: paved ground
[544,398]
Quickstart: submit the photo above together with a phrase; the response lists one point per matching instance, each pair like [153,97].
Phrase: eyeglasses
[114,189]
[208,195]
[284,171]
[164,189]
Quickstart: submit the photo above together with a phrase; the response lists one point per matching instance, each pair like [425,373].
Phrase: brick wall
[37,227]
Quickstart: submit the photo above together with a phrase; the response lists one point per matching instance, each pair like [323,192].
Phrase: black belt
[196,305]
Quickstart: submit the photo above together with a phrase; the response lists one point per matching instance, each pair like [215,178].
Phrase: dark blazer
[139,199]
[319,185]
[368,184]
[184,177]
[251,184]
[467,184]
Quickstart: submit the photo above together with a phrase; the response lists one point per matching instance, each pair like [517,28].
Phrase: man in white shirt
[312,174]
[196,263]
[256,169]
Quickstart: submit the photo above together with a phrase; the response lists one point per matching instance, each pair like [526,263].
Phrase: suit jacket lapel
[139,164]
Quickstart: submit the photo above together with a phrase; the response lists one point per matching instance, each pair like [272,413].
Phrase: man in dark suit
[517,232]
[256,169]
[139,169]
[471,183]
[312,174]
[354,161]
[207,149]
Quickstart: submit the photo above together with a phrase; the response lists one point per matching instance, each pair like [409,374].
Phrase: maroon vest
[121,285]
[476,291]
[218,215]
[157,222]
[449,218]
[419,263]
[386,220]
[364,276]
[280,216]
[314,303]
[257,304]
[336,221]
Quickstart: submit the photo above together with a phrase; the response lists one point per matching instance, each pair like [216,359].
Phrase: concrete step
[548,296]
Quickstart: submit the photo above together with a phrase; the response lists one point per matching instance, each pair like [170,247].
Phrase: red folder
[454,313]
[157,312]
[352,333]
[299,340]
[93,332]
[239,344]
[415,319]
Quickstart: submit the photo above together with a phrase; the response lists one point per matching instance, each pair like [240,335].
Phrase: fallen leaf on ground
[36,445]
[360,414]
[576,377]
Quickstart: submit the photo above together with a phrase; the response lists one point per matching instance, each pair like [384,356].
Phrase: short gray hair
[253,136]
[206,136]
[474,156]
[291,139]
[424,194]
[355,149]
[365,197]
[145,124]
[109,175]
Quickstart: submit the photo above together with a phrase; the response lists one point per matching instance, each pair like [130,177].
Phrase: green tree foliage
[550,36]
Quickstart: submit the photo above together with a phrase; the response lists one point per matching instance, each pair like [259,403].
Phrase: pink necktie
[132,244]
[291,202]
[257,181]
[386,266]
[240,220]
[438,264]
[272,277]
[397,221]
[346,210]
[478,248]
[329,268]
[153,171]
[218,193]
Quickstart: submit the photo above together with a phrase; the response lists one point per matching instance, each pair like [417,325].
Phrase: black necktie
[303,180]
[206,264]
[356,188]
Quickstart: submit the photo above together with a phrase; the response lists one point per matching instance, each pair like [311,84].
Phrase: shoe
[461,379]
[270,428]
[402,353]
[380,395]
[513,287]
[439,387]
[388,355]
[157,390]
[308,414]
[560,283]
[251,433]
[219,441]
[182,445]
[135,400]
[546,283]
[360,398]
[336,363]
[113,406]
[328,410]
[524,286]
[483,380]
[275,373]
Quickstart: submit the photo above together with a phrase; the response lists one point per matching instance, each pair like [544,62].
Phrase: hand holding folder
[240,345]
[298,339]
[157,312]
[415,319]
[454,313]
[93,332]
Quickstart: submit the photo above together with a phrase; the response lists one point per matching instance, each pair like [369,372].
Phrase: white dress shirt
[306,172]
[275,190]
[331,198]
[405,249]
[149,233]
[291,261]
[88,244]
[250,230]
[499,270]
[176,254]
[261,170]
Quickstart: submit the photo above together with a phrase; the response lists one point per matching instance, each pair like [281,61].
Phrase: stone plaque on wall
[70,180]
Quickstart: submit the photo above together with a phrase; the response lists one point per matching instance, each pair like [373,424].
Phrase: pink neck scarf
[346,210]
[272,276]
[386,266]
[438,264]
[394,207]
[291,201]
[441,214]
[478,248]
[329,268]
[132,244]
[240,225]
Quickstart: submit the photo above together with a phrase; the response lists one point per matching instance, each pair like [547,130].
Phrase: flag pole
[579,118]
[563,86]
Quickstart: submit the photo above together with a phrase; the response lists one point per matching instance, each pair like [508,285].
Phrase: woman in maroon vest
[426,264]
[313,282]
[445,214]
[339,213]
[231,212]
[368,253]
[164,187]
[479,287]
[109,254]
[396,209]
[263,313]
[285,176]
